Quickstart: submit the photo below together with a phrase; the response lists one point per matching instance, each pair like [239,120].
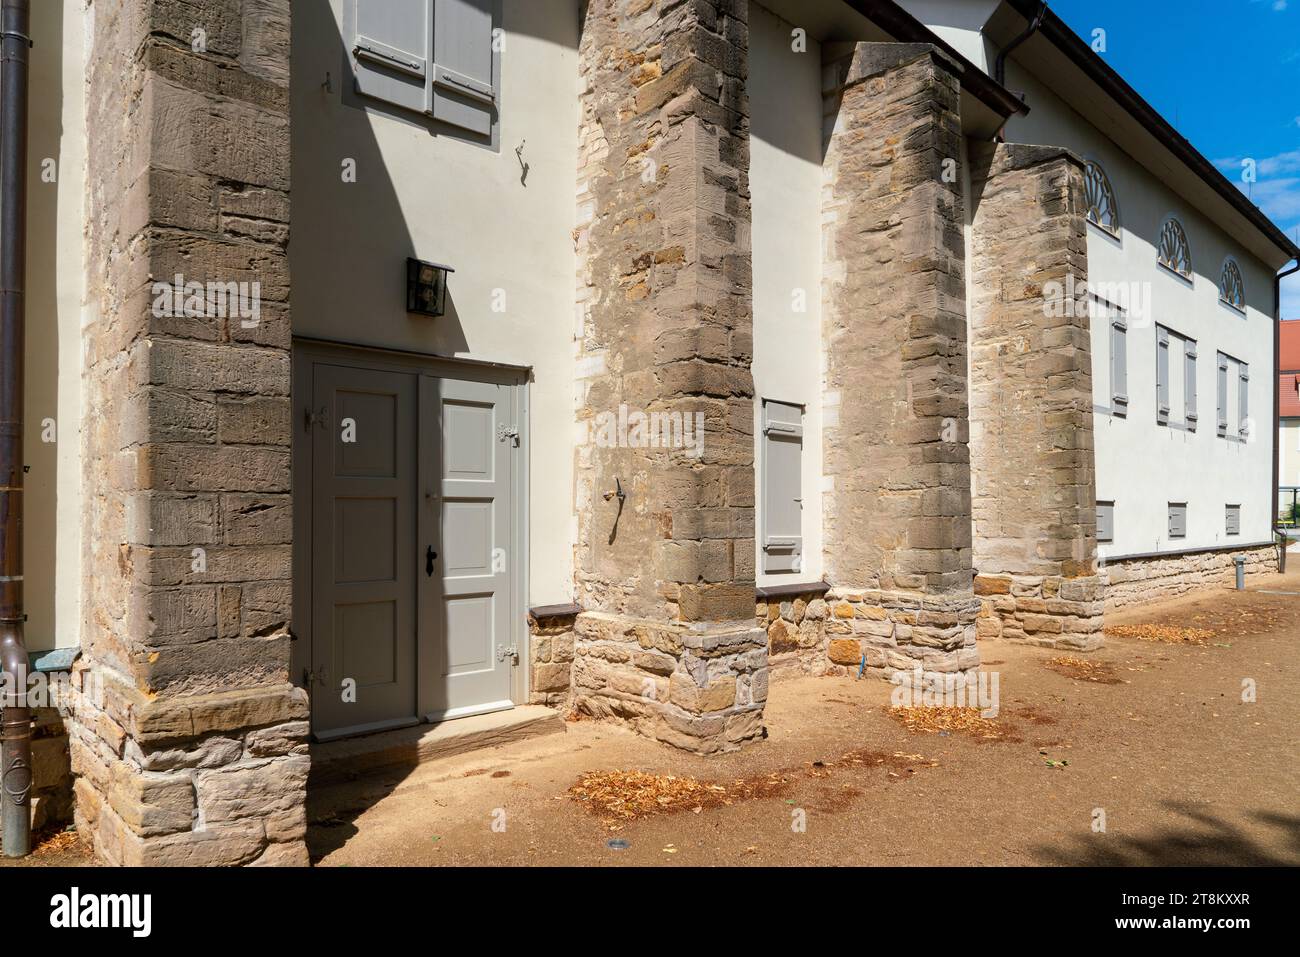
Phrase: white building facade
[612,355]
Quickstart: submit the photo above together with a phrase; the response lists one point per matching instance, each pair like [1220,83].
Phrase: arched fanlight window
[1231,289]
[1172,251]
[1100,197]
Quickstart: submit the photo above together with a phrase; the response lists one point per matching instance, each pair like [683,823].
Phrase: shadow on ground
[1193,837]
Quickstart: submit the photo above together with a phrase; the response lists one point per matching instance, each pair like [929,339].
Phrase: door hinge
[310,418]
[319,676]
[508,651]
[510,432]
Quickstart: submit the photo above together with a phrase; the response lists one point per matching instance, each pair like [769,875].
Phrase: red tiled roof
[1288,390]
[1289,358]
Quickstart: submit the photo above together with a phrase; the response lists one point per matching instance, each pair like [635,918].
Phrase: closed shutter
[782,480]
[1177,519]
[1243,400]
[464,80]
[1221,394]
[1233,524]
[1189,385]
[1162,375]
[390,48]
[1105,521]
[1119,366]
[437,57]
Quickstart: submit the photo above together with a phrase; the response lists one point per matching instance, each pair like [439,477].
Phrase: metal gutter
[16,725]
[1111,83]
[904,27]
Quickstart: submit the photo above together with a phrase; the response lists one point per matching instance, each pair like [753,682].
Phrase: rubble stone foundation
[1135,581]
[883,632]
[796,631]
[700,687]
[551,639]
[1051,611]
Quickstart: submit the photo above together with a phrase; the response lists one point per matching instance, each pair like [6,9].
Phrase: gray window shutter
[1243,400]
[1222,394]
[1177,519]
[1105,521]
[390,51]
[1162,375]
[1118,366]
[1189,384]
[782,495]
[464,90]
[1233,524]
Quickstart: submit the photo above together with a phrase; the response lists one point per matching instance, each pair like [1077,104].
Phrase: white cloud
[1266,166]
[1279,198]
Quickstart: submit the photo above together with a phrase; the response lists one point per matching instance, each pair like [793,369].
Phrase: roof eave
[905,28]
[1069,43]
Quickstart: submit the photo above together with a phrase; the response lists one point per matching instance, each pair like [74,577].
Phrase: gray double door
[413,581]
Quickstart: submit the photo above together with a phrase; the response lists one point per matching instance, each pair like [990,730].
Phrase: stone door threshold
[352,758]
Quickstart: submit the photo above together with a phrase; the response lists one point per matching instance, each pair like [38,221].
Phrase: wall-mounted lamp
[426,287]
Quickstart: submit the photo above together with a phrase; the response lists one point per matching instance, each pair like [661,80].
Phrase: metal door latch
[508,651]
[510,432]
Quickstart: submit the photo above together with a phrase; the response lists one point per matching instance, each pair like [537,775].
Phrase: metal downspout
[16,726]
[1000,63]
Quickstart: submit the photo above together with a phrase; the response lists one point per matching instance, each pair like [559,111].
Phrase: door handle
[429,557]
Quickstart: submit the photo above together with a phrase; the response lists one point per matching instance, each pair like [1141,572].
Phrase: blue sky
[1226,73]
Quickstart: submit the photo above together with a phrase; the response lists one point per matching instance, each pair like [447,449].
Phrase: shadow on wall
[353,234]
[353,228]
[44,432]
[347,215]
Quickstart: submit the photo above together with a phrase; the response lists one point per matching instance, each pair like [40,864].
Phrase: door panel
[470,611]
[405,517]
[363,549]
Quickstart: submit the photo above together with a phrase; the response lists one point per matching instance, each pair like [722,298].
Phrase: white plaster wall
[428,194]
[55,285]
[785,106]
[958,23]
[1140,465]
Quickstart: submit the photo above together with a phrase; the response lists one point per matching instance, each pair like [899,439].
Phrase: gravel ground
[1154,736]
[1184,771]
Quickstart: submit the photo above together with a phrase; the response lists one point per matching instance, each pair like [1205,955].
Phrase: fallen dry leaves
[56,842]
[1081,669]
[1167,634]
[629,795]
[949,719]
